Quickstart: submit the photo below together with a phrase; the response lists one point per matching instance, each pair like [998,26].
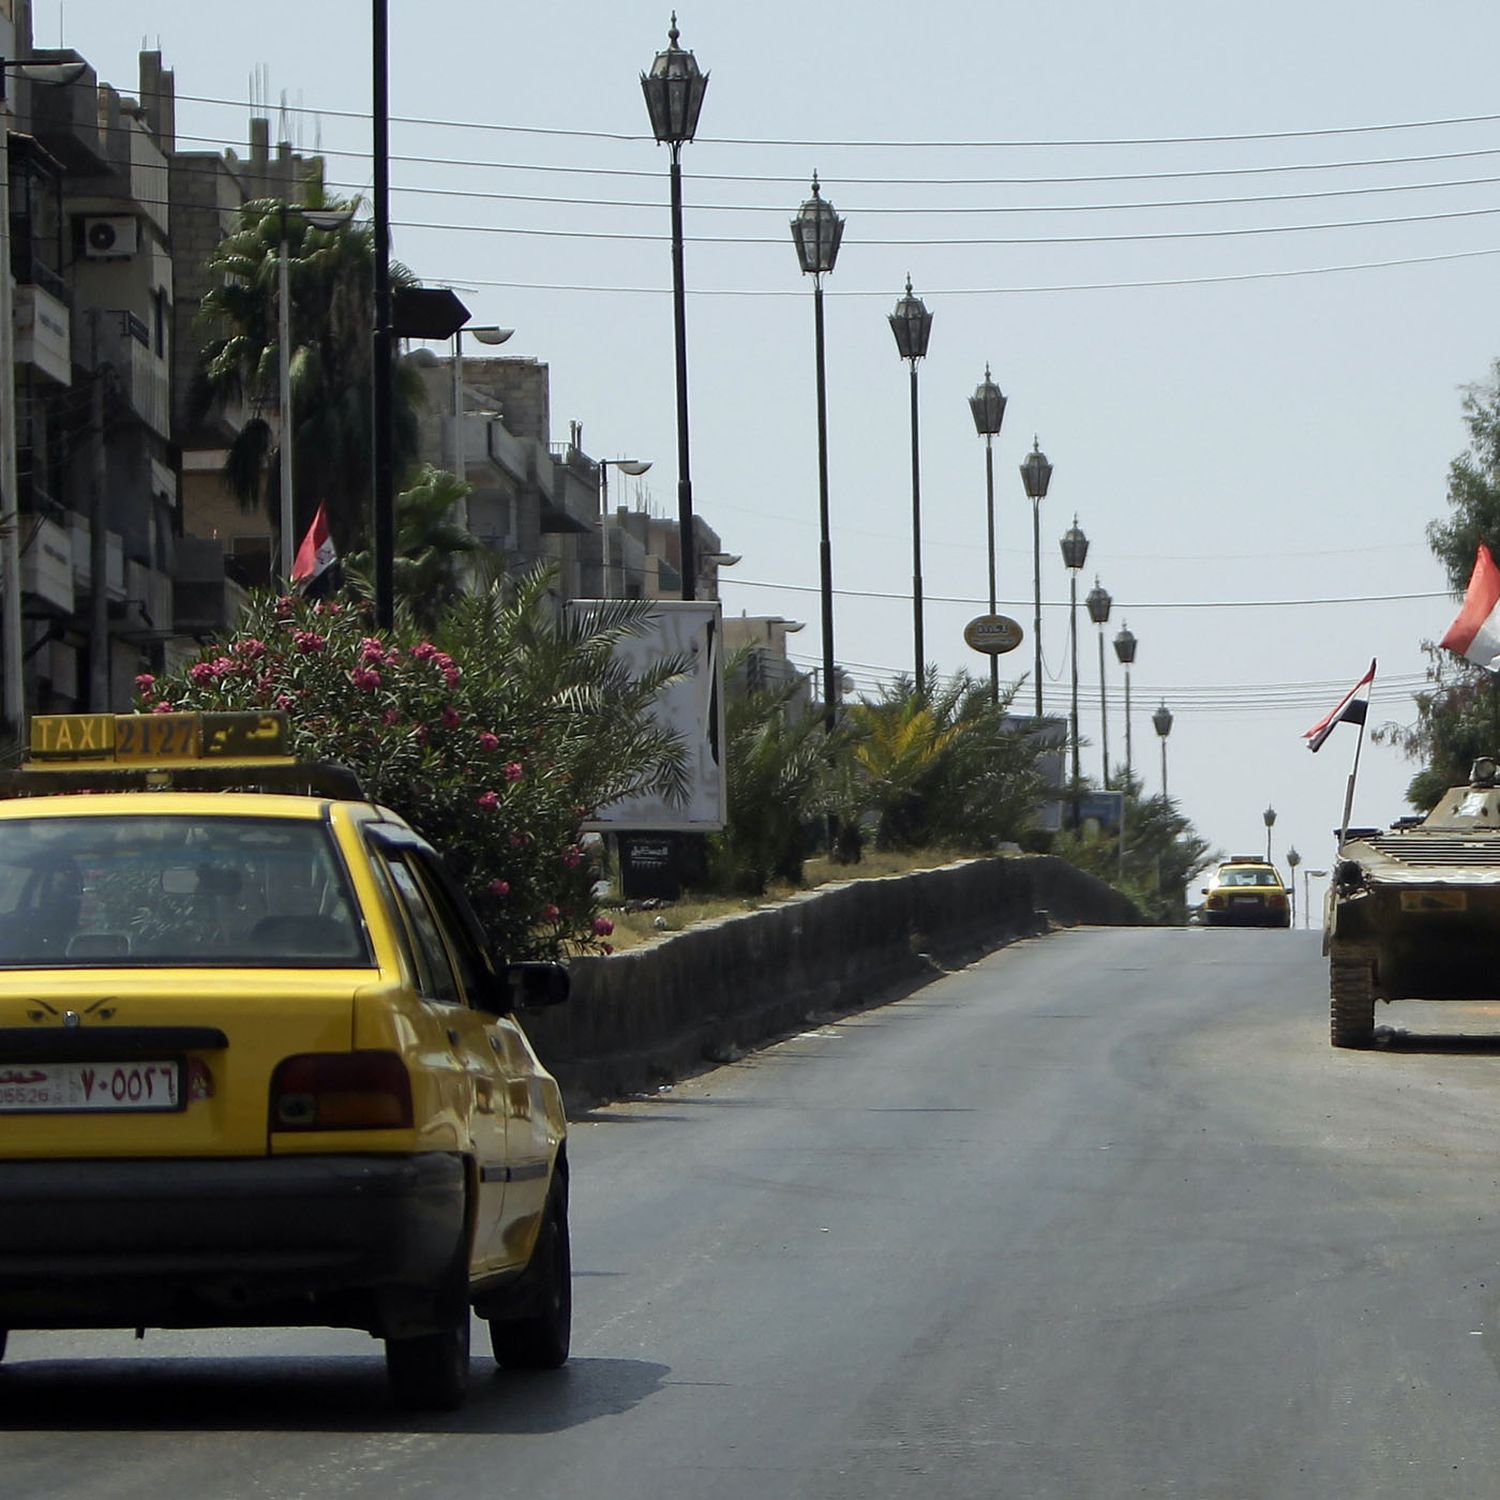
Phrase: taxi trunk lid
[125,1064]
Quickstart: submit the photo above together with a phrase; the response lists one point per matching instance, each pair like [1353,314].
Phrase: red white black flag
[1475,634]
[317,553]
[1352,709]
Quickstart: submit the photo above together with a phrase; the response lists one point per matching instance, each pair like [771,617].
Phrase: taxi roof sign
[159,739]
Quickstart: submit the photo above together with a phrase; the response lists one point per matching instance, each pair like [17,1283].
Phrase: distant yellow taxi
[1246,891]
[258,1065]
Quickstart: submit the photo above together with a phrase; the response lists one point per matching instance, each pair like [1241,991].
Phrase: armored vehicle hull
[1414,911]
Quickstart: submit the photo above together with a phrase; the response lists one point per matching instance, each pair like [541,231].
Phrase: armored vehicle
[1414,910]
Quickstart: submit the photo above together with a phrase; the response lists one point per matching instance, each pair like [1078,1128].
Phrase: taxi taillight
[341,1091]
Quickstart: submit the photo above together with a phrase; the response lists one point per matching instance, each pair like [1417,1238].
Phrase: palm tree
[331,274]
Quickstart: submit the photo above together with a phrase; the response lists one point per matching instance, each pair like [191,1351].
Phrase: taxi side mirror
[534,985]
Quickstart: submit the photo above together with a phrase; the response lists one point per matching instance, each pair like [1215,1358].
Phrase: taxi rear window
[175,890]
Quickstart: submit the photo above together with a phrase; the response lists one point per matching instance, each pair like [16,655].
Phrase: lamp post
[1075,551]
[314,218]
[912,325]
[1125,654]
[1269,818]
[635,467]
[487,334]
[1099,603]
[13,696]
[1306,899]
[1293,859]
[1162,719]
[1036,475]
[674,90]
[988,406]
[816,232]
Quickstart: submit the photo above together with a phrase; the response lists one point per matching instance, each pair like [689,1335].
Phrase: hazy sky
[1191,240]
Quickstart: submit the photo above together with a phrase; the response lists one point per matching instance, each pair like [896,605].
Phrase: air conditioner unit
[111,238]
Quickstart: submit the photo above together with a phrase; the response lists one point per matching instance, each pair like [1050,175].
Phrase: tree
[1458,715]
[331,276]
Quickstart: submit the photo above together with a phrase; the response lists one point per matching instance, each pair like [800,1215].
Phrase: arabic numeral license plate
[89,1088]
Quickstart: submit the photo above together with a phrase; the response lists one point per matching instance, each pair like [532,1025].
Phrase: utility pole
[98,535]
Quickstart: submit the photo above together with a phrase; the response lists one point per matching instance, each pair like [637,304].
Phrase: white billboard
[693,709]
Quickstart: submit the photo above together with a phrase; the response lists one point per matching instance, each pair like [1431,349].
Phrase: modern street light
[1099,603]
[816,232]
[1269,818]
[1075,551]
[674,90]
[634,467]
[13,695]
[486,334]
[1162,719]
[1036,475]
[1306,899]
[988,407]
[912,325]
[326,219]
[1293,859]
[1125,654]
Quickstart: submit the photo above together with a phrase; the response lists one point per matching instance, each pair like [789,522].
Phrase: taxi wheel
[541,1340]
[431,1371]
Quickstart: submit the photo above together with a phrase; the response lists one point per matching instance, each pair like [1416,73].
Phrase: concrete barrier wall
[641,1018]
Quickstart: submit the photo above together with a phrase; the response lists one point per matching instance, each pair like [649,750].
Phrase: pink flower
[391,716]
[451,676]
[371,650]
[285,702]
[144,684]
[500,888]
[423,651]
[606,948]
[202,672]
[162,707]
[366,679]
[250,648]
[550,913]
[420,734]
[603,927]
[489,801]
[519,840]
[450,717]
[513,771]
[309,641]
[285,605]
[487,741]
[572,856]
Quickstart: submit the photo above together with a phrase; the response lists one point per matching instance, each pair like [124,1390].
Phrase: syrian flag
[1475,634]
[1352,709]
[317,553]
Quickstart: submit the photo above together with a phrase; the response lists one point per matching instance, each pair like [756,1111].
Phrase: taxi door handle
[453,1035]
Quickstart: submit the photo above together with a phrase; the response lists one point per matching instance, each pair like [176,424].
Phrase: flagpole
[1359,745]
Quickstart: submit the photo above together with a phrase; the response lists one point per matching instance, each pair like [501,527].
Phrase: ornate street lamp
[1098,603]
[674,90]
[988,407]
[911,323]
[1075,551]
[1036,475]
[1162,719]
[1125,654]
[816,232]
[1269,818]
[1293,859]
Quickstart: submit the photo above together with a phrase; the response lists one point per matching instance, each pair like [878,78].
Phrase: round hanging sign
[994,635]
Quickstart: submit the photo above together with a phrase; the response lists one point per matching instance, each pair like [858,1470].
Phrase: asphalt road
[1102,1216]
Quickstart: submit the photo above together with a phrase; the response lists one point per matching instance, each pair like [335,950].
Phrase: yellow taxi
[1246,891]
[258,1065]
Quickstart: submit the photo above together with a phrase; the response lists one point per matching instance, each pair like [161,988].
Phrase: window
[439,981]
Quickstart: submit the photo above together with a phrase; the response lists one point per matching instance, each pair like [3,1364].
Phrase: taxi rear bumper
[361,1241]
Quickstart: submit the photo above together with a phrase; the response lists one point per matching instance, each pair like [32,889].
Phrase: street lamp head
[816,232]
[1293,858]
[1075,547]
[1269,817]
[1162,718]
[912,325]
[674,90]
[1036,472]
[1125,646]
[635,467]
[325,218]
[988,406]
[490,335]
[1099,602]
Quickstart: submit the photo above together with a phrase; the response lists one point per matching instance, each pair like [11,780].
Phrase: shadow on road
[304,1395]
[1389,1039]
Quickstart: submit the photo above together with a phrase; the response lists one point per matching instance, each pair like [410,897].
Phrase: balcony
[43,333]
[141,377]
[65,117]
[46,564]
[114,568]
[205,600]
[145,613]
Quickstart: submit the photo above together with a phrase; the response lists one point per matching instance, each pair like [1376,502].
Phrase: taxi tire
[542,1340]
[430,1371]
